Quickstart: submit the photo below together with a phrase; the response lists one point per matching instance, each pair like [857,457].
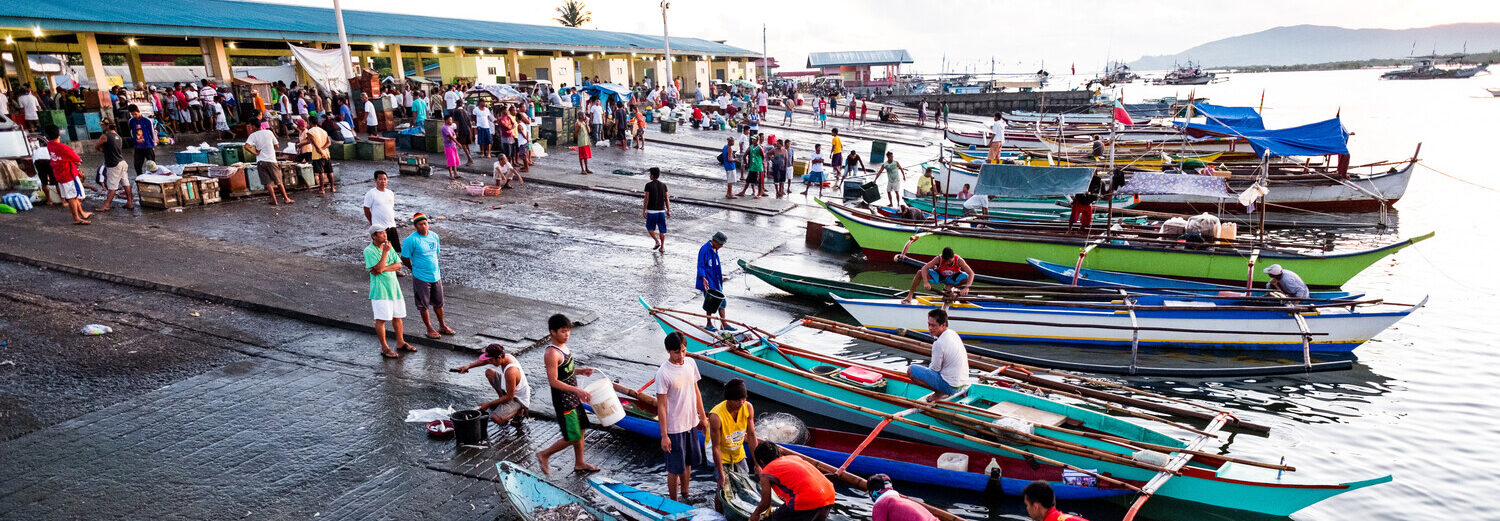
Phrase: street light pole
[338,17]
[666,40]
[764,62]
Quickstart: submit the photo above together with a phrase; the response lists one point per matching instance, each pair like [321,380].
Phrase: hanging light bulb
[36,30]
[9,40]
[231,45]
[130,42]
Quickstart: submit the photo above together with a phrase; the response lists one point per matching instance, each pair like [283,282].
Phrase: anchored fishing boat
[1132,282]
[1004,422]
[1002,252]
[1169,321]
[638,504]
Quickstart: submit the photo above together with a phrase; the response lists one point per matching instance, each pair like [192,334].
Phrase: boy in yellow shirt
[731,428]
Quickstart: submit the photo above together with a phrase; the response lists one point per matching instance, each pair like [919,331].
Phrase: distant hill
[1300,44]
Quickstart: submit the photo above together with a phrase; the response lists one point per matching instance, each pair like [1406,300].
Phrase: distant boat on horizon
[1425,68]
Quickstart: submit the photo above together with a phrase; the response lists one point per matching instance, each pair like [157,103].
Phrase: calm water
[1414,406]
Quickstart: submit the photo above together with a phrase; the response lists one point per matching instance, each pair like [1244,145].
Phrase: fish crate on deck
[189,191]
[208,188]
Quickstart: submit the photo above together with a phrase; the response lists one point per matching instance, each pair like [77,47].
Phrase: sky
[1018,36]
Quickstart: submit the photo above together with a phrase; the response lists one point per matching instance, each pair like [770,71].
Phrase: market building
[222,32]
[860,68]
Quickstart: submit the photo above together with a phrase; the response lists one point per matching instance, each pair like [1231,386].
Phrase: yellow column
[398,69]
[513,65]
[93,66]
[23,67]
[215,59]
[137,73]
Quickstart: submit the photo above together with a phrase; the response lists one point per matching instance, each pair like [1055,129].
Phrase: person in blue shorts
[731,167]
[656,208]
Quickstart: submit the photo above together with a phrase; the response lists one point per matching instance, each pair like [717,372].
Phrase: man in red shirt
[65,169]
[1041,505]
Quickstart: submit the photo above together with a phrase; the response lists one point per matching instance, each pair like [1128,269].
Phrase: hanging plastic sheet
[326,67]
[1032,181]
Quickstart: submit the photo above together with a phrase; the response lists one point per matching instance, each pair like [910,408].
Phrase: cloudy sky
[1019,36]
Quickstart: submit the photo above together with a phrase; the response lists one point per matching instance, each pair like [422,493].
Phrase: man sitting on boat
[949,270]
[891,506]
[927,184]
[806,494]
[948,373]
[1041,504]
[1286,282]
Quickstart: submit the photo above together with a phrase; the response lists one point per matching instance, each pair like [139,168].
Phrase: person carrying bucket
[567,397]
[679,412]
[711,280]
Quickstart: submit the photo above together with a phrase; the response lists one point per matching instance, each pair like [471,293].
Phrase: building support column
[23,67]
[398,69]
[216,60]
[513,65]
[133,60]
[93,67]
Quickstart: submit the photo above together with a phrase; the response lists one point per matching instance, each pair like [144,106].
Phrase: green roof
[261,21]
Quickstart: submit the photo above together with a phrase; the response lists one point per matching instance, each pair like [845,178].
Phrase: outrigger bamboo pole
[1024,373]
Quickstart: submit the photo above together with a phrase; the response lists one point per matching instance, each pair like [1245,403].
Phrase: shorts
[955,280]
[270,173]
[778,175]
[687,452]
[71,189]
[731,175]
[388,309]
[640,133]
[115,177]
[450,156]
[572,422]
[762,110]
[822,117]
[656,221]
[755,176]
[484,137]
[813,177]
[838,159]
[585,152]
[933,379]
[787,114]
[427,294]
[322,166]
[811,514]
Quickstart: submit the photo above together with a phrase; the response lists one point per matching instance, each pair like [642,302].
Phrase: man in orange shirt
[1041,505]
[806,494]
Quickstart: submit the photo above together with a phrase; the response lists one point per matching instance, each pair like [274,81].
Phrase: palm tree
[572,14]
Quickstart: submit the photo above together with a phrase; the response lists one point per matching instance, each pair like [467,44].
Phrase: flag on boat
[1121,115]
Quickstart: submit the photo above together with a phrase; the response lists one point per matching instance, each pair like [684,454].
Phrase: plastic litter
[97,329]
[428,415]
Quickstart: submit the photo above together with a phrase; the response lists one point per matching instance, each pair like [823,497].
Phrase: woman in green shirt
[756,166]
[386,299]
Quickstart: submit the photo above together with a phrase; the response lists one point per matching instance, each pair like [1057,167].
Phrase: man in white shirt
[596,120]
[484,125]
[450,100]
[948,373]
[380,209]
[372,123]
[4,105]
[29,106]
[681,410]
[555,100]
[264,142]
[997,139]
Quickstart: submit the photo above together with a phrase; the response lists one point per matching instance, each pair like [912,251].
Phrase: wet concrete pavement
[194,408]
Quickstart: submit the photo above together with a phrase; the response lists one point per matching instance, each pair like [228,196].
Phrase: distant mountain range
[1307,44]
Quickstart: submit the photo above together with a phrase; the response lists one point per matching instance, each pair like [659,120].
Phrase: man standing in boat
[1285,281]
[1041,505]
[997,139]
[948,269]
[948,373]
[731,428]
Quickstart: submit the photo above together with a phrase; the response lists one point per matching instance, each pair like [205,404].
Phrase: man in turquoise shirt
[419,251]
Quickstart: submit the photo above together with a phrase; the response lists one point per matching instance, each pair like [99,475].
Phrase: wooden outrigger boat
[638,504]
[1168,321]
[529,492]
[1031,428]
[1132,282]
[1005,252]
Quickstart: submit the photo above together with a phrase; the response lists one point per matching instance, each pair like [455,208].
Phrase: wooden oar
[1025,373]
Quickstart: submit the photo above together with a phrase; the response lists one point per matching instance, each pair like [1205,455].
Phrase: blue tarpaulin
[1032,181]
[1237,117]
[1313,139]
[609,92]
[1155,183]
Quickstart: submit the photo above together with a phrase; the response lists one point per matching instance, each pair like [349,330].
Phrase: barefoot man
[385,293]
[948,373]
[567,397]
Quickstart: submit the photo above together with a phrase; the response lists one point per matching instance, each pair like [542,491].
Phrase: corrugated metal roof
[251,20]
[835,59]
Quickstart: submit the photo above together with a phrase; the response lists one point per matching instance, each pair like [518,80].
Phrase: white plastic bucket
[605,402]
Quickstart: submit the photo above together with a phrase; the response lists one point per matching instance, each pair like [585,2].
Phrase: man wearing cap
[419,251]
[386,300]
[711,276]
[1286,281]
[892,506]
[151,168]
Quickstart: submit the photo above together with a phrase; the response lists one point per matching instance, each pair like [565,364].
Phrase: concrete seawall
[990,102]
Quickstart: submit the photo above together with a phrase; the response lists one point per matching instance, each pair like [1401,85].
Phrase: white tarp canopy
[326,67]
